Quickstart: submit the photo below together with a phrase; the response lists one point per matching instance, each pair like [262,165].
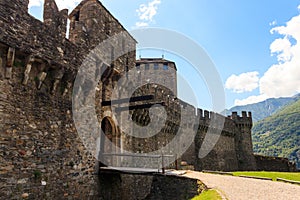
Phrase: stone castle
[38,137]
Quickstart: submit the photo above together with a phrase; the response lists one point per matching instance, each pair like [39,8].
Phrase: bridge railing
[140,161]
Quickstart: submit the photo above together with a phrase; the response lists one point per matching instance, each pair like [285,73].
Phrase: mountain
[279,134]
[264,109]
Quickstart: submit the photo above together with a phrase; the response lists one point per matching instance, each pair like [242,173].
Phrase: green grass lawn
[208,195]
[293,176]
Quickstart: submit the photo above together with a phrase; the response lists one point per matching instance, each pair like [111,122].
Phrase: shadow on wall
[149,187]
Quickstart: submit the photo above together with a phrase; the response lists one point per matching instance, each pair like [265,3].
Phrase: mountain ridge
[265,108]
[279,134]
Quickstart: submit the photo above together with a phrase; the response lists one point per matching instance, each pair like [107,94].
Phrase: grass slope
[279,134]
[208,195]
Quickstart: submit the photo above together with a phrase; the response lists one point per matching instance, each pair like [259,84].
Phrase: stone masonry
[41,154]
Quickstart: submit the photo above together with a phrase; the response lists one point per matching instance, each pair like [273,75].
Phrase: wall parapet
[244,120]
[270,163]
[31,36]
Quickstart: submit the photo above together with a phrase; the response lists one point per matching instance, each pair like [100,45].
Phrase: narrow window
[138,66]
[76,15]
[156,66]
[107,27]
[127,63]
[166,67]
[147,67]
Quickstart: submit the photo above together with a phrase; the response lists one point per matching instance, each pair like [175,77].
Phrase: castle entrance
[109,142]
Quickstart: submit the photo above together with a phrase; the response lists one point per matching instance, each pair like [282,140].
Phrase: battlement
[40,42]
[55,19]
[205,117]
[244,115]
[208,115]
[245,119]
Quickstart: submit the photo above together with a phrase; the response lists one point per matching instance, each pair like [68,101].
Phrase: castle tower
[158,70]
[243,141]
[91,26]
[91,23]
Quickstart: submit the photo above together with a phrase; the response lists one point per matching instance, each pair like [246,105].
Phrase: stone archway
[109,142]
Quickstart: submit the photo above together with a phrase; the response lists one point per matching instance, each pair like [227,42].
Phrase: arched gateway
[109,143]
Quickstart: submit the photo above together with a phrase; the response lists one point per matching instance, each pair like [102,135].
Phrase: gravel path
[238,188]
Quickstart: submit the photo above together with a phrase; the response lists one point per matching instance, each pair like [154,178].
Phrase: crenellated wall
[229,153]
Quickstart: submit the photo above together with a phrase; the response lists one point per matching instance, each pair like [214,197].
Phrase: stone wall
[41,154]
[148,187]
[233,150]
[266,163]
[40,151]
[32,37]
[223,156]
[38,139]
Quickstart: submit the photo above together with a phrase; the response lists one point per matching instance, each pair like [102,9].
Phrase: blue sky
[252,43]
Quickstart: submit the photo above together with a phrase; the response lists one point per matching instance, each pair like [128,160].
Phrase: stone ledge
[256,177]
[217,172]
[288,181]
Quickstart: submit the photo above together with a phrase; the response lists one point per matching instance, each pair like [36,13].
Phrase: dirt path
[238,188]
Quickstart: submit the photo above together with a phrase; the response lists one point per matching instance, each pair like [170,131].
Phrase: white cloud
[147,12]
[245,82]
[282,47]
[281,79]
[250,100]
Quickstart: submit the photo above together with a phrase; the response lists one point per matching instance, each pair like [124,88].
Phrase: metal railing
[140,161]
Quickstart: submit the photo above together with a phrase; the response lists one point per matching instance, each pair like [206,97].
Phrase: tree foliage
[279,134]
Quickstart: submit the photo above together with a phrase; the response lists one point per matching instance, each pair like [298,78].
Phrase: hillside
[264,109]
[279,134]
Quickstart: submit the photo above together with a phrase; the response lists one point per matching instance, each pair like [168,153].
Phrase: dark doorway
[109,142]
